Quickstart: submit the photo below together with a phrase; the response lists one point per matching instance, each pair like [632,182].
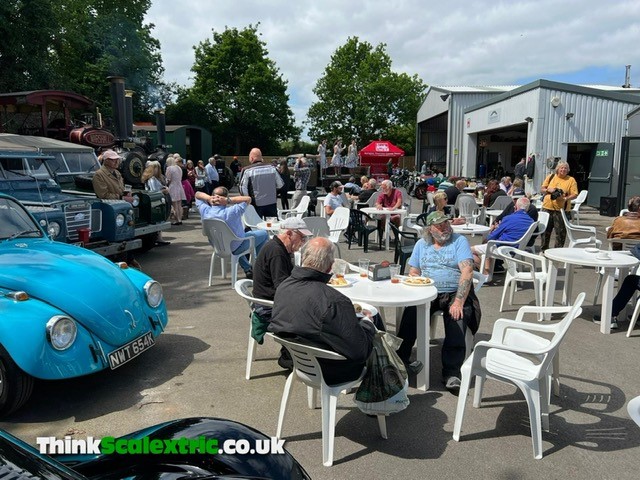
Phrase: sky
[453,42]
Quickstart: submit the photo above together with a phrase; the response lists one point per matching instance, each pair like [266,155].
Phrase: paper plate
[348,284]
[412,281]
[591,250]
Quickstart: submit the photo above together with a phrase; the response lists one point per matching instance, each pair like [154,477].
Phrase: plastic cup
[271,221]
[339,269]
[363,263]
[394,272]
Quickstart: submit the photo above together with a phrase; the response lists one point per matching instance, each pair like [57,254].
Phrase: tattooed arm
[464,285]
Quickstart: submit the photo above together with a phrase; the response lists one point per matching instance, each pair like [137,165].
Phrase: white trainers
[614,321]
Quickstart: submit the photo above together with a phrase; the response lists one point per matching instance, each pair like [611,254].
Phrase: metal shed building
[190,141]
[544,119]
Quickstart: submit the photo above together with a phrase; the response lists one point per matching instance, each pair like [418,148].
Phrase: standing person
[529,172]
[174,182]
[520,169]
[322,151]
[390,167]
[306,308]
[390,199]
[191,174]
[336,160]
[154,182]
[352,156]
[260,181]
[301,175]
[230,210]
[446,258]
[558,189]
[202,179]
[235,168]
[212,175]
[283,192]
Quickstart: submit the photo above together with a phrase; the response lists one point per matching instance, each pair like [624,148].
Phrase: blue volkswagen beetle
[64,310]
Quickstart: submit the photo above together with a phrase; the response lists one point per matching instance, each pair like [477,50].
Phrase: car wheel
[15,385]
[132,167]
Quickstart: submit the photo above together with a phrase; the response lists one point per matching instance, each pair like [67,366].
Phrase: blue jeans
[260,236]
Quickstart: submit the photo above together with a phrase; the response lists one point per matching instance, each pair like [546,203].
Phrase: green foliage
[359,96]
[74,45]
[240,92]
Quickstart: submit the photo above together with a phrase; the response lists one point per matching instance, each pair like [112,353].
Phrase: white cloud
[453,42]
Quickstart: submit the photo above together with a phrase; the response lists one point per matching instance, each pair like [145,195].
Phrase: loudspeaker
[608,206]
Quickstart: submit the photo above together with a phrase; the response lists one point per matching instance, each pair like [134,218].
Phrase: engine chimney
[117,104]
[128,103]
[161,127]
[627,77]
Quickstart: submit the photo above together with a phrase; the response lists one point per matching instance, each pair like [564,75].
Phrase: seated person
[368,189]
[308,310]
[107,181]
[511,228]
[492,191]
[445,257]
[630,285]
[335,198]
[390,199]
[440,205]
[230,209]
[517,188]
[351,187]
[627,225]
[505,184]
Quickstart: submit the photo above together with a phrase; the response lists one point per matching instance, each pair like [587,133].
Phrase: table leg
[423,314]
[568,284]
[607,300]
[387,228]
[551,287]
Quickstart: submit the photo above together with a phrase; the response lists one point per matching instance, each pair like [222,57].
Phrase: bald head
[255,155]
[460,184]
[317,254]
[523,203]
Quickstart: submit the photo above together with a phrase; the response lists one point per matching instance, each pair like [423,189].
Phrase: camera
[557,193]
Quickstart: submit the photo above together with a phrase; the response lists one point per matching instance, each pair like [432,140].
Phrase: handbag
[383,390]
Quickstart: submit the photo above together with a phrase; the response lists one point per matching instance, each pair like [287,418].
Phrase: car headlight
[53,229]
[61,332]
[119,220]
[153,292]
[136,200]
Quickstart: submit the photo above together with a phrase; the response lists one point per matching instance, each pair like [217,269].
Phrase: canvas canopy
[380,149]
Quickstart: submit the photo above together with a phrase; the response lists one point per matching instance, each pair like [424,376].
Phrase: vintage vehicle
[20,460]
[312,163]
[72,166]
[66,311]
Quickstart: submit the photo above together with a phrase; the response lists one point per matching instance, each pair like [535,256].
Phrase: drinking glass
[394,272]
[363,263]
[339,268]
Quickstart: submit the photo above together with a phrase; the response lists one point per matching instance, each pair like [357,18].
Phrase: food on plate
[338,281]
[417,280]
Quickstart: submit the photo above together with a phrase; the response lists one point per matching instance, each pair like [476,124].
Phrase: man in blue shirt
[230,209]
[511,228]
[445,257]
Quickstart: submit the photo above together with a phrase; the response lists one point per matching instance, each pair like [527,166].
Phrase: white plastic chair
[517,354]
[577,202]
[318,226]
[479,280]
[338,223]
[306,369]
[406,198]
[467,207]
[543,222]
[634,317]
[299,211]
[492,246]
[244,288]
[626,244]
[250,218]
[501,202]
[372,199]
[522,266]
[220,237]
[580,235]
[633,407]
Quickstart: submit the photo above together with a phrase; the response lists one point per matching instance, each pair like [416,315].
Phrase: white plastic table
[581,257]
[383,293]
[492,214]
[373,211]
[275,226]
[291,192]
[470,229]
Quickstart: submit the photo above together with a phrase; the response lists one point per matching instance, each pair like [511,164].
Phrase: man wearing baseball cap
[272,266]
[444,257]
[335,198]
[107,181]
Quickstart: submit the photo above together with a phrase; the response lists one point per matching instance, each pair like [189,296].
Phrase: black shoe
[285,360]
[249,274]
[452,384]
[614,321]
[413,368]
[162,243]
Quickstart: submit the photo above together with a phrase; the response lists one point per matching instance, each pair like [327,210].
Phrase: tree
[241,91]
[360,97]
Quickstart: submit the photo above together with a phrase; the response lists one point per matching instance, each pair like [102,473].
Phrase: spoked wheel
[420,192]
[15,385]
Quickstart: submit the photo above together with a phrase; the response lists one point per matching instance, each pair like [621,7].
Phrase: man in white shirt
[212,175]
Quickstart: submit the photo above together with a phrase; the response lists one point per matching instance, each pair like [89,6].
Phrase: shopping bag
[383,390]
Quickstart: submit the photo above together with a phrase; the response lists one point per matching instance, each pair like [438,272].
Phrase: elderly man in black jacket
[308,310]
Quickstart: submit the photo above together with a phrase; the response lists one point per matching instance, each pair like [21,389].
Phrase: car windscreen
[15,221]
[73,162]
[20,167]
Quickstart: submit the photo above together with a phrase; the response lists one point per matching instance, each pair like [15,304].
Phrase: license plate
[131,350]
